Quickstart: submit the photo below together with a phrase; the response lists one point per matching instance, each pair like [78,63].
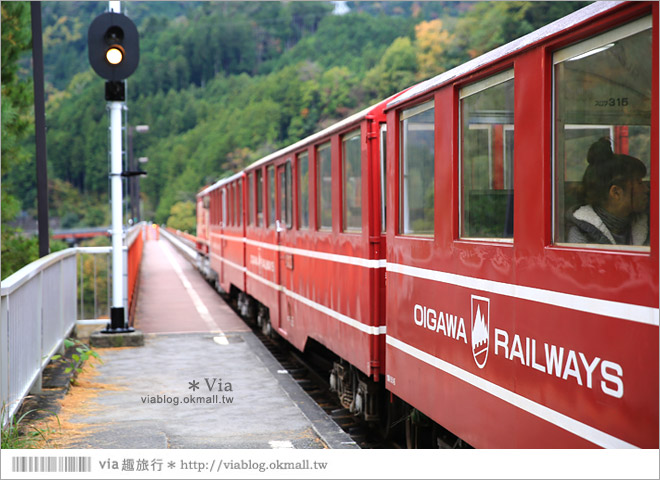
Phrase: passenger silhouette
[615,199]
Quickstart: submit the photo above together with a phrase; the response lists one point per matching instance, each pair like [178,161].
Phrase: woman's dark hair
[607,168]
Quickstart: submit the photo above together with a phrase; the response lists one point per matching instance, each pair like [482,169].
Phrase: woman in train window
[616,200]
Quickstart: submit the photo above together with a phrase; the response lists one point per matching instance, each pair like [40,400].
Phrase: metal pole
[40,129]
[117,310]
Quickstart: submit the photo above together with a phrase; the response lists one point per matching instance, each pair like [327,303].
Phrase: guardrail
[180,243]
[41,304]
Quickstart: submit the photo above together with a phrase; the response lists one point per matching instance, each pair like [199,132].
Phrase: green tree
[395,71]
[17,251]
[182,217]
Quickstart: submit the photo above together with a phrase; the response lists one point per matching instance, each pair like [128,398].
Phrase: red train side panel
[524,343]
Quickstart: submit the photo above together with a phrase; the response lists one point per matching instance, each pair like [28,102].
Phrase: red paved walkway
[173,296]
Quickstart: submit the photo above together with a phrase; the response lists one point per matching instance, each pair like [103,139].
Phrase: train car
[221,233]
[314,254]
[503,325]
[389,239]
[283,231]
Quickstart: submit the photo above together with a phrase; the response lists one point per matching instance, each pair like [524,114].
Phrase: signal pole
[117,312]
[113,44]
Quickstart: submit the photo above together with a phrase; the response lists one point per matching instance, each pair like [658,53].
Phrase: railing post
[125,282]
[36,385]
[63,289]
[4,356]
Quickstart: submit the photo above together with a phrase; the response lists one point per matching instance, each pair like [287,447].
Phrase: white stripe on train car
[331,257]
[569,424]
[229,262]
[351,322]
[608,308]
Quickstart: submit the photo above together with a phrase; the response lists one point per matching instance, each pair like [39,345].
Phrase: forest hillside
[219,84]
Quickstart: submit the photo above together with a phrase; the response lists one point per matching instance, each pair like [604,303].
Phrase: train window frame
[579,50]
[320,207]
[349,136]
[259,181]
[403,201]
[477,87]
[271,212]
[303,194]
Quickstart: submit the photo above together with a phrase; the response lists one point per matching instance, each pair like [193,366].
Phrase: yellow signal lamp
[114,55]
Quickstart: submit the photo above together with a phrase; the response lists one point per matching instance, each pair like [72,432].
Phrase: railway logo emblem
[480,329]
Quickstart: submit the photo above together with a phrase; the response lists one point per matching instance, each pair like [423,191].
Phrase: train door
[285,238]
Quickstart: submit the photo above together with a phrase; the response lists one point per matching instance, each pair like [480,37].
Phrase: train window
[271,195]
[602,138]
[260,199]
[217,201]
[239,203]
[324,186]
[352,182]
[250,204]
[224,207]
[383,176]
[230,204]
[486,158]
[303,190]
[286,202]
[417,170]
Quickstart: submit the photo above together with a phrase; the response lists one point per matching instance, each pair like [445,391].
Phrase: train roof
[517,45]
[220,183]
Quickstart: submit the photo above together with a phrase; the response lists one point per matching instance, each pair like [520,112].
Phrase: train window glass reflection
[486,158]
[602,138]
[383,174]
[285,194]
[324,186]
[250,205]
[239,202]
[303,190]
[352,182]
[260,199]
[271,195]
[416,200]
[224,207]
[230,204]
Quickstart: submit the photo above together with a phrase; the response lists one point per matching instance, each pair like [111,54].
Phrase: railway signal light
[114,46]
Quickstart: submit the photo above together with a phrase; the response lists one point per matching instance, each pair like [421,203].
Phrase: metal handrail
[39,309]
[22,276]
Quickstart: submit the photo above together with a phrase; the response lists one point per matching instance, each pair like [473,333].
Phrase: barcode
[51,464]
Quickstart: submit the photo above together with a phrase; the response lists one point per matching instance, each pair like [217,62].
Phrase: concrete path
[202,379]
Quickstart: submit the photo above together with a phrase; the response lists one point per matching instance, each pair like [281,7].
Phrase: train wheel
[419,431]
[263,321]
[393,420]
[412,432]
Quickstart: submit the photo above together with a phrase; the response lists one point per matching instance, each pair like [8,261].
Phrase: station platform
[201,380]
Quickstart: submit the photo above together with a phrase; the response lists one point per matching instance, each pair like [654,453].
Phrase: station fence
[43,302]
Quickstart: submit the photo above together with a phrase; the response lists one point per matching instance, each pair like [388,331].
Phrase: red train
[389,238]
